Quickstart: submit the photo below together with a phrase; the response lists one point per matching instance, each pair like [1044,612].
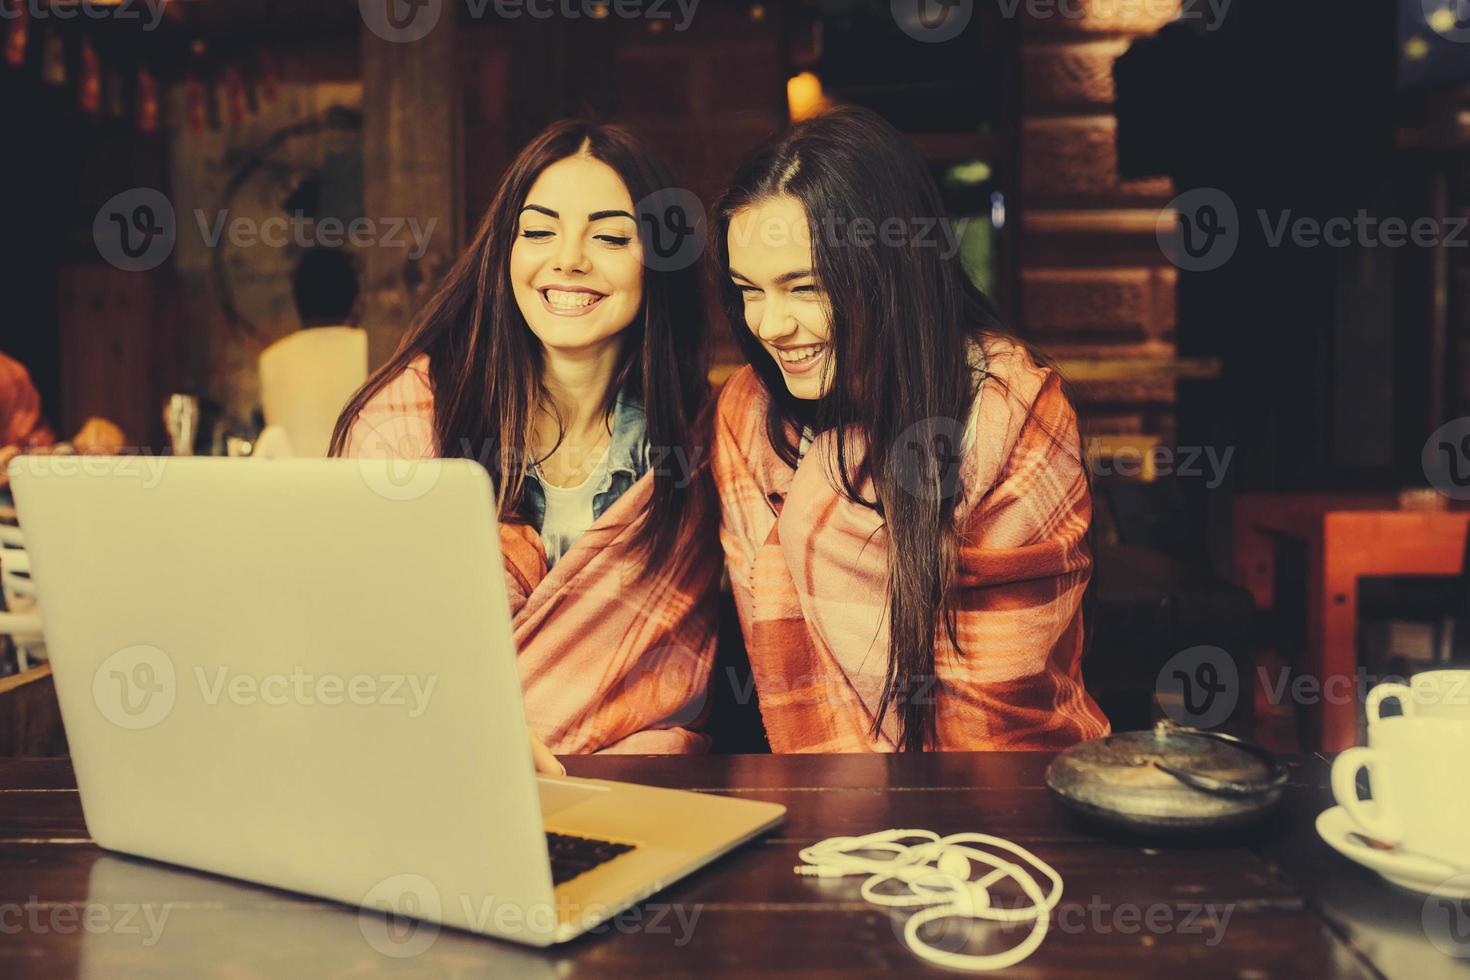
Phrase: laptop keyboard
[571,856]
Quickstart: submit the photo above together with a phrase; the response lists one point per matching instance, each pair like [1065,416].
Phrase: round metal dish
[1171,780]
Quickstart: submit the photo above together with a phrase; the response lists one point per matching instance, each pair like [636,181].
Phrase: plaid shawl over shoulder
[609,661]
[809,572]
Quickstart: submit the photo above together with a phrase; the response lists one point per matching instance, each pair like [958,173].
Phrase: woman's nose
[776,323]
[570,256]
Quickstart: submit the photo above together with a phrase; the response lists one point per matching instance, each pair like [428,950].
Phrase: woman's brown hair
[906,321]
[485,363]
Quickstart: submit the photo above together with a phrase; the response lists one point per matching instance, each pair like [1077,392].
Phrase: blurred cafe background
[1238,225]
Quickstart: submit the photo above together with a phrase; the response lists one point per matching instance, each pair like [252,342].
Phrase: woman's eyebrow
[546,211]
[599,215]
[781,280]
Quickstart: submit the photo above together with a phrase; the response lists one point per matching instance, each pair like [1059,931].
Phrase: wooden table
[1347,536]
[1281,905]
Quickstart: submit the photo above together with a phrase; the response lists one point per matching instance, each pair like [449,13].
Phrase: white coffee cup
[1419,774]
[1432,694]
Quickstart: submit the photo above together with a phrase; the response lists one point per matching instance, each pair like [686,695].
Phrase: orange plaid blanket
[609,661]
[809,573]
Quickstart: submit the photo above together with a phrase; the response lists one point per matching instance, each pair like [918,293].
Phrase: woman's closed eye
[617,241]
[536,234]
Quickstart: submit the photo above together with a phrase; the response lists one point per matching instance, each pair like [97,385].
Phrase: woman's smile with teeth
[565,299]
[801,353]
[801,360]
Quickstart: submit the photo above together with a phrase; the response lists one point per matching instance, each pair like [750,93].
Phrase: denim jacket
[627,460]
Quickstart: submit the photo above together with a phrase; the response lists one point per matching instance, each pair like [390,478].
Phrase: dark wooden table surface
[1279,904]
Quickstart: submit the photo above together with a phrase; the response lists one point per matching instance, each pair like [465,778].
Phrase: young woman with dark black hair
[905,506]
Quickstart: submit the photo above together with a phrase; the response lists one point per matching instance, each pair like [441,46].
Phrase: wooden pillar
[411,169]
[1094,285]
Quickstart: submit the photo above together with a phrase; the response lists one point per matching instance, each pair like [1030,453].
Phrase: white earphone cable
[936,872]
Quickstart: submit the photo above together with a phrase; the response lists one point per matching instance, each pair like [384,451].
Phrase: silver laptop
[302,673]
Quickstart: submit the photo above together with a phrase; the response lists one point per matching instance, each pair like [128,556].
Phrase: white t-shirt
[568,511]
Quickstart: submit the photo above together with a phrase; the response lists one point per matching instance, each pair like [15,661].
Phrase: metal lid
[1170,778]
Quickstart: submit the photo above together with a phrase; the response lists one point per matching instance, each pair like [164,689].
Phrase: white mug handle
[1401,692]
[1377,822]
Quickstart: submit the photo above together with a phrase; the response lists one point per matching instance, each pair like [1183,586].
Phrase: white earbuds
[942,889]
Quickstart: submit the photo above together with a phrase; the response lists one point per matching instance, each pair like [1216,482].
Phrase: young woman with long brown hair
[905,507]
[575,373]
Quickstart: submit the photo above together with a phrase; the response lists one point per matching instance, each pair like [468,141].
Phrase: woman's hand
[545,762]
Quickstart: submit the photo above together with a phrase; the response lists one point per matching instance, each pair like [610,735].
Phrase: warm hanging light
[804,97]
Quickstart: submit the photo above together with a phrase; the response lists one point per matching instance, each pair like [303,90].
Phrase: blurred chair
[1155,594]
[30,717]
[1441,604]
[306,379]
[20,619]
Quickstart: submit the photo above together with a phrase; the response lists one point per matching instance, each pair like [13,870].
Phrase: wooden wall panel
[1101,17]
[1075,160]
[1095,288]
[116,361]
[411,149]
[1059,75]
[1099,304]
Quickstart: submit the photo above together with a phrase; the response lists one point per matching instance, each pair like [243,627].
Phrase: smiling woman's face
[771,264]
[576,267]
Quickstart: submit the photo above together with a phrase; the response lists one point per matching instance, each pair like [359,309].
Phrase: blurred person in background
[307,377]
[23,429]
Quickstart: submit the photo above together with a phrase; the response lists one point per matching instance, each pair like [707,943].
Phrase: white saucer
[1416,872]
